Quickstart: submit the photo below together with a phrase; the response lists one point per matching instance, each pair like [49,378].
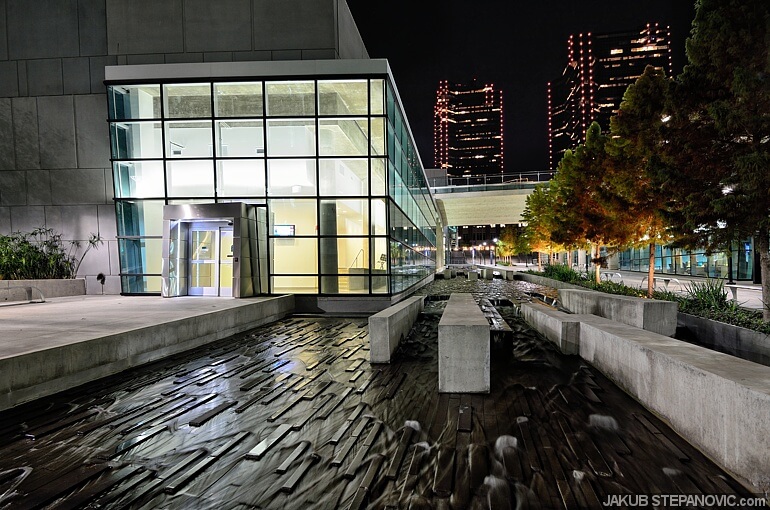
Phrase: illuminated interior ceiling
[482,207]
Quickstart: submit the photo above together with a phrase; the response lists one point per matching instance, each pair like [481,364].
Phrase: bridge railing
[509,178]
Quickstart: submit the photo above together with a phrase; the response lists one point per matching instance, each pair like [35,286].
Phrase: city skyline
[517,48]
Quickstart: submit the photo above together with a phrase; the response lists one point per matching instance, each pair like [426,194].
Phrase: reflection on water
[293,416]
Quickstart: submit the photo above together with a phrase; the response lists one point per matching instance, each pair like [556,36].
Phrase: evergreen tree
[719,133]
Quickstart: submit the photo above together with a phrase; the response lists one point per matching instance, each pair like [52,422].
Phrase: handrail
[27,288]
[360,252]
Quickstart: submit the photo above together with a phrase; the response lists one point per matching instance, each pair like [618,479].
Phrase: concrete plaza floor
[293,415]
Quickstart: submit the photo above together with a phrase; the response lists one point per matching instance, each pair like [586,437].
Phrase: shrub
[707,299]
[563,274]
[40,254]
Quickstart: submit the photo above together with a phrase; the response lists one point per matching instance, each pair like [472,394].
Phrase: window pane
[133,140]
[188,139]
[345,284]
[379,217]
[295,284]
[377,97]
[291,177]
[139,256]
[240,138]
[344,217]
[140,284]
[238,99]
[290,98]
[291,137]
[134,101]
[138,179]
[378,177]
[342,97]
[295,255]
[139,217]
[241,178]
[190,178]
[187,100]
[378,136]
[301,214]
[379,261]
[344,177]
[343,137]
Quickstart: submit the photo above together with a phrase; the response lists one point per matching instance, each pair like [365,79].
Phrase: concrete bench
[16,291]
[649,314]
[563,329]
[716,401]
[389,326]
[463,347]
[734,289]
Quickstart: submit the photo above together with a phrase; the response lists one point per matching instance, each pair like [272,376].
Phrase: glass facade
[678,261]
[332,161]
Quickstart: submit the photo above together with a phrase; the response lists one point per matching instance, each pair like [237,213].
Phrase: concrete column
[329,257]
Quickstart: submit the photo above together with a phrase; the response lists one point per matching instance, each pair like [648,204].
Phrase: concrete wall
[49,289]
[54,144]
[649,314]
[545,282]
[744,343]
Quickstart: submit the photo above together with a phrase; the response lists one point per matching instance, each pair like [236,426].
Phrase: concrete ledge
[49,288]
[388,327]
[463,347]
[29,375]
[744,343]
[649,314]
[545,282]
[719,403]
[561,328]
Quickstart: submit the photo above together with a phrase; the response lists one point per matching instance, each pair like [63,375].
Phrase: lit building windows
[329,165]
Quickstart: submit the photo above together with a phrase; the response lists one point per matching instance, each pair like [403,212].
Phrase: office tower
[599,69]
[468,130]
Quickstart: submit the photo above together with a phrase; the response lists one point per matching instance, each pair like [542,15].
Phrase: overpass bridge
[485,200]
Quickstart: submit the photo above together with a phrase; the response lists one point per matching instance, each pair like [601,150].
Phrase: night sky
[517,45]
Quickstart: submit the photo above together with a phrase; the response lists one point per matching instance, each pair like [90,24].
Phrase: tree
[584,206]
[637,148]
[719,133]
[539,217]
[512,242]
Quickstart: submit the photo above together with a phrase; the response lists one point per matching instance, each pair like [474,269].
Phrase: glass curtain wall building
[320,150]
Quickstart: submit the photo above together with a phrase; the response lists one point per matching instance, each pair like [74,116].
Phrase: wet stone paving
[292,415]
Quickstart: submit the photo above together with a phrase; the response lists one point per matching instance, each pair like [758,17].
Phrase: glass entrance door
[211,260]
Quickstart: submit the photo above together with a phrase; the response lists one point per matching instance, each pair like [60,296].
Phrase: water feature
[292,415]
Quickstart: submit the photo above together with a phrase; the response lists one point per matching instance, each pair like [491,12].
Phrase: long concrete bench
[389,326]
[649,314]
[717,402]
[463,347]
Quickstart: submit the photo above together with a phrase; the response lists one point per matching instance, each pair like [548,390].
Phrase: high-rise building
[599,69]
[468,130]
